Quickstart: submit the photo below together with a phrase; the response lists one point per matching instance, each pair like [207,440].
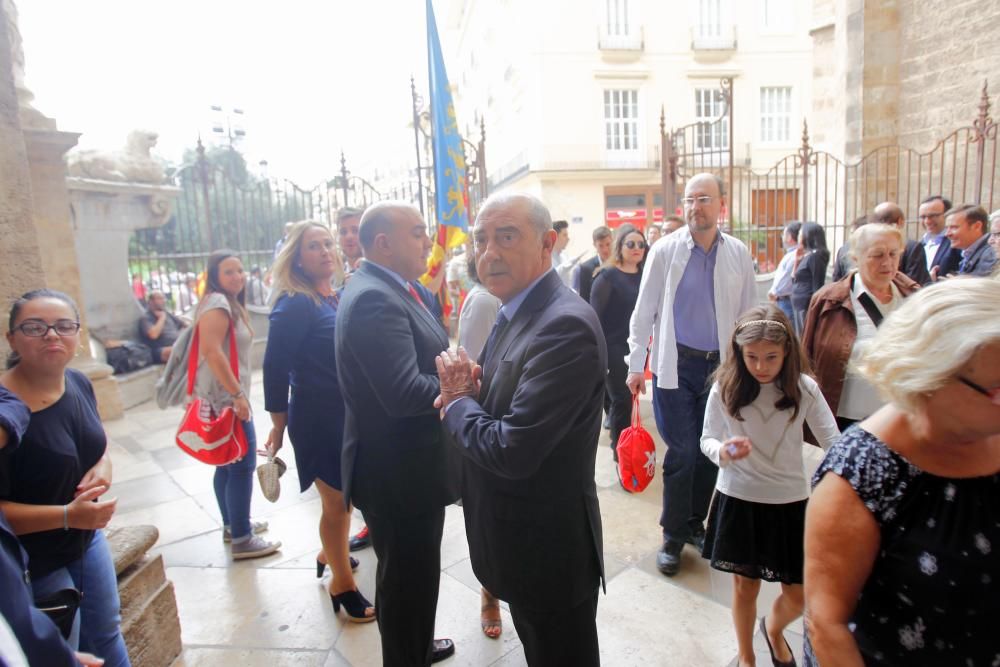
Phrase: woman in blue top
[300,354]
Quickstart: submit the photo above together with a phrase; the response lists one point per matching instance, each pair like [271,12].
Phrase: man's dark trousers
[688,476]
[408,574]
[535,629]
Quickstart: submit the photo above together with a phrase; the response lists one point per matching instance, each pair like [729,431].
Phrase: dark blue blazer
[394,456]
[529,444]
[946,258]
[981,260]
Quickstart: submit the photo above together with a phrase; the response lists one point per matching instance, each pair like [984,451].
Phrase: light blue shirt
[694,304]
[782,286]
[392,274]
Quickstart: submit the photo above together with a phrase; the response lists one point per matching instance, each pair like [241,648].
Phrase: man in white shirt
[560,261]
[781,288]
[942,259]
[695,284]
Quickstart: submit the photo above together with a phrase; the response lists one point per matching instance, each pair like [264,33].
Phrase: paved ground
[272,611]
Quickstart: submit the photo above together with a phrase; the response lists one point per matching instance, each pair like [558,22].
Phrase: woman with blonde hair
[300,355]
[903,525]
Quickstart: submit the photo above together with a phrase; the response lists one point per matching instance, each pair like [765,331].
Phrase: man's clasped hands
[459,375]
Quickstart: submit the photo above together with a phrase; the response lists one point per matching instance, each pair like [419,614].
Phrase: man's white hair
[539,215]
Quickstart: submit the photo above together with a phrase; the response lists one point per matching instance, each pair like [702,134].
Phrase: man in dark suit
[395,464]
[529,438]
[968,229]
[913,261]
[583,277]
[942,259]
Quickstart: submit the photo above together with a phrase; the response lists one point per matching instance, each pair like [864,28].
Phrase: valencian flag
[451,196]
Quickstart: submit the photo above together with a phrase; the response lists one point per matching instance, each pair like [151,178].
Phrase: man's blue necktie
[495,332]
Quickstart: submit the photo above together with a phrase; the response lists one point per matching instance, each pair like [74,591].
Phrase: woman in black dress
[809,272]
[300,355]
[903,527]
[613,296]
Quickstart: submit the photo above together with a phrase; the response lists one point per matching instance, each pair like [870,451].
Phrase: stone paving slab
[273,611]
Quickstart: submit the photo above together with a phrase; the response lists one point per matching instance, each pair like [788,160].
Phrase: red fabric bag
[636,454]
[219,441]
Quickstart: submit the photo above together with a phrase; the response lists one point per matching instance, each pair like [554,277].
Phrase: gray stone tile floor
[273,611]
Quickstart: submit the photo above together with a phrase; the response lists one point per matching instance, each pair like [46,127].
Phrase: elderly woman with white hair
[843,317]
[903,527]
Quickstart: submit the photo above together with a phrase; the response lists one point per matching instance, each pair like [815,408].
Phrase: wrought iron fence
[819,186]
[221,205]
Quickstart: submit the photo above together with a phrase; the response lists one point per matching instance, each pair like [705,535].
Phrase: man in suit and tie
[942,259]
[968,229]
[529,436]
[395,464]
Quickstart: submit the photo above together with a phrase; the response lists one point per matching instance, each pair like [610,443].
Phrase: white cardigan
[773,472]
[735,293]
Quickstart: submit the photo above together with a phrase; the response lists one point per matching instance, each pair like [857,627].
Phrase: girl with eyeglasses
[52,488]
[613,297]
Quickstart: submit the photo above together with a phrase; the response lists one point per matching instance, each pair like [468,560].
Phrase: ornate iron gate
[817,185]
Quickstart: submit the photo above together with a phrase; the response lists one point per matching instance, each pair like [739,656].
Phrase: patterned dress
[932,596]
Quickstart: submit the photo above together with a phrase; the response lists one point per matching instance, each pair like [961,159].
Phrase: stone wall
[947,49]
[20,258]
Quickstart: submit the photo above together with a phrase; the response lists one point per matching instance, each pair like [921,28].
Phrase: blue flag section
[451,202]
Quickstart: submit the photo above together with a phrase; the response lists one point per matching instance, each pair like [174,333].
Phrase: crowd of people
[890,556]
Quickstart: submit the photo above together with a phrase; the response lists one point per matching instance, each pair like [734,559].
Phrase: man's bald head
[889,213]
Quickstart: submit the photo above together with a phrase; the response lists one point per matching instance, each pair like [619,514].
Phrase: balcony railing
[713,38]
[633,41]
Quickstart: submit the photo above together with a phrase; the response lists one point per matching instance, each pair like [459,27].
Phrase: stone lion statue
[133,164]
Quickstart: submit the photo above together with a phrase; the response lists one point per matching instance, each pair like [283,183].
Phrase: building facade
[572,92]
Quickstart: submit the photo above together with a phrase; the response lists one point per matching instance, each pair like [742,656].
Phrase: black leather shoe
[360,541]
[697,538]
[668,558]
[443,648]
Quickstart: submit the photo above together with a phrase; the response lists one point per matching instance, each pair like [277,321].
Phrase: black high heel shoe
[354,604]
[321,567]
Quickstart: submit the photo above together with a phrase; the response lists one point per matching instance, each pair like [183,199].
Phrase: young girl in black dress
[753,431]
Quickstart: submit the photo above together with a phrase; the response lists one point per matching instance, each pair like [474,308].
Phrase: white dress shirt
[735,293]
[782,286]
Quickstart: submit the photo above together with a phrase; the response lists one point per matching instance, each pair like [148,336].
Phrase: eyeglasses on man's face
[632,245]
[703,200]
[38,328]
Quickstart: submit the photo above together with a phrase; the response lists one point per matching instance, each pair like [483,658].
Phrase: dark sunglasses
[989,393]
[632,245]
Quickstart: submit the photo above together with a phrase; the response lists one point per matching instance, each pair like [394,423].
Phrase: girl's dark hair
[813,236]
[737,386]
[237,304]
[15,311]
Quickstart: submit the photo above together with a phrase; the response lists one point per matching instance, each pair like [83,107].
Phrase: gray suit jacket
[529,445]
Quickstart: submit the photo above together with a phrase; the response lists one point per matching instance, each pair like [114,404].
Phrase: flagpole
[416,143]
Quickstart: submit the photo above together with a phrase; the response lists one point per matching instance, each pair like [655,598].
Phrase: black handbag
[61,607]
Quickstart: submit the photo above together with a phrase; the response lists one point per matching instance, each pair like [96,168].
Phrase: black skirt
[756,540]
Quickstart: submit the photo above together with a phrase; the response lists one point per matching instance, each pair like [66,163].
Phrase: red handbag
[219,441]
[636,454]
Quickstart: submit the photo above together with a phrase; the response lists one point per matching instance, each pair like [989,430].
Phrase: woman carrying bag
[221,311]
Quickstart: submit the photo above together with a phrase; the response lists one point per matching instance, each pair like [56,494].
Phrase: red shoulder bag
[219,441]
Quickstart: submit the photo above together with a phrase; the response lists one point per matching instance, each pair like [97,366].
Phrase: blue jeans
[97,628]
[234,486]
[785,304]
[688,476]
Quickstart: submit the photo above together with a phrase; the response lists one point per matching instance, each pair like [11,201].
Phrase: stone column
[20,257]
[43,147]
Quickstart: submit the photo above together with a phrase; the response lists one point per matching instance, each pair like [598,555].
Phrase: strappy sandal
[491,625]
